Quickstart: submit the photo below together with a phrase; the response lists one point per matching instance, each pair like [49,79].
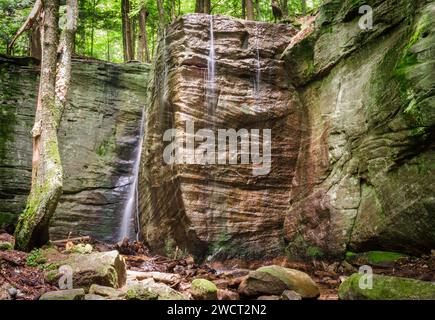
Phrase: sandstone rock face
[365,174]
[220,209]
[352,119]
[98,135]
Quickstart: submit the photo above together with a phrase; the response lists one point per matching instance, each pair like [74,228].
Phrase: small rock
[12,292]
[268,298]
[150,290]
[202,289]
[290,295]
[346,267]
[4,246]
[223,294]
[7,242]
[79,248]
[105,291]
[91,296]
[167,278]
[72,294]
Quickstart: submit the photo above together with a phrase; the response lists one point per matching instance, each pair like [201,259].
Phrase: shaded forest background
[124,30]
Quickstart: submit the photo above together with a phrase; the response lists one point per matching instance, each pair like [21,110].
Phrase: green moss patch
[386,288]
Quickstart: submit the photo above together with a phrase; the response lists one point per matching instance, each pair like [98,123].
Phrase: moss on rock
[386,288]
[203,289]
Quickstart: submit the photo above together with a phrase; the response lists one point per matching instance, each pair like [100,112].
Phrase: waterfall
[131,210]
[257,65]
[211,72]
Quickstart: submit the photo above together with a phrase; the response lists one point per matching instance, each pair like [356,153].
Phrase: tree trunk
[35,42]
[143,51]
[199,6]
[304,7]
[249,10]
[46,189]
[34,16]
[127,37]
[258,10]
[284,8]
[243,9]
[63,76]
[93,27]
[207,6]
[161,13]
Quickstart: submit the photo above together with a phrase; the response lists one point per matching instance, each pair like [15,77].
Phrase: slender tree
[249,10]
[161,14]
[284,8]
[143,53]
[203,6]
[47,173]
[127,34]
[304,7]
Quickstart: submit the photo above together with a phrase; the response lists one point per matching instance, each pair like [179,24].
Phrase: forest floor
[28,281]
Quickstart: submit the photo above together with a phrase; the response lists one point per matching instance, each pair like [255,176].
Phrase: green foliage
[315,252]
[35,258]
[99,29]
[173,251]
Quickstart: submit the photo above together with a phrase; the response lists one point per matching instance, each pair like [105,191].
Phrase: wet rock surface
[364,178]
[97,137]
[222,210]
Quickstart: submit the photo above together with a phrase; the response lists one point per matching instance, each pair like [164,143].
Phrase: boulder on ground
[72,294]
[268,298]
[102,268]
[91,296]
[7,242]
[224,294]
[385,288]
[374,258]
[150,290]
[274,280]
[104,291]
[167,278]
[202,289]
[290,295]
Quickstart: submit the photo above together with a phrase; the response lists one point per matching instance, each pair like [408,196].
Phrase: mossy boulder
[6,246]
[73,294]
[150,290]
[375,258]
[386,288]
[202,289]
[7,242]
[102,268]
[274,280]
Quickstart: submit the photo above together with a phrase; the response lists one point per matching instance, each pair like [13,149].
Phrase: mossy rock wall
[366,172]
[98,135]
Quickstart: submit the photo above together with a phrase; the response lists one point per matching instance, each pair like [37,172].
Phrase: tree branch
[33,16]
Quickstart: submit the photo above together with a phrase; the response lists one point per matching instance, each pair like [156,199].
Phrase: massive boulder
[352,119]
[98,134]
[365,176]
[224,205]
